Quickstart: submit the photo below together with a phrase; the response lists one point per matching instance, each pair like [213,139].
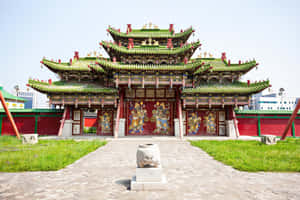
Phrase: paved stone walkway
[191,173]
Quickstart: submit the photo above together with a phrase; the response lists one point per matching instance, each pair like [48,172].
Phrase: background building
[11,100]
[271,100]
[30,96]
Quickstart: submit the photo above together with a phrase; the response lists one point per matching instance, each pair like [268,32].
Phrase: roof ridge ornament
[150,25]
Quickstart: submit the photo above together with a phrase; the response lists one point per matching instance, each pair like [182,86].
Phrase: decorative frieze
[215,100]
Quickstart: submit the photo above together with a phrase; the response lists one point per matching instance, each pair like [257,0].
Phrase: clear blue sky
[265,30]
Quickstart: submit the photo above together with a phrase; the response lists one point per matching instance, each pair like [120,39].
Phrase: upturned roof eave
[228,89]
[48,89]
[145,51]
[186,33]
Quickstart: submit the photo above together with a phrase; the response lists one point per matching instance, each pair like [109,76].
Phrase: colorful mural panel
[105,122]
[137,114]
[201,122]
[161,116]
[149,118]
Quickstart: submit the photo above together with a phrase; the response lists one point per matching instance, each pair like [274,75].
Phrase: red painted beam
[179,110]
[290,122]
[235,123]
[116,133]
[122,103]
[11,119]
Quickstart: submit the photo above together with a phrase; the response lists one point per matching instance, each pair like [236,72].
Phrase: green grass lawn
[47,155]
[253,155]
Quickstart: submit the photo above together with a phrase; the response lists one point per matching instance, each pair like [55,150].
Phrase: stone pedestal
[122,127]
[149,174]
[268,139]
[67,129]
[29,138]
[148,179]
[176,128]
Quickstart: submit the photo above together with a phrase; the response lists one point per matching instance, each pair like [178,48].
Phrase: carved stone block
[148,155]
[268,139]
[29,138]
[149,174]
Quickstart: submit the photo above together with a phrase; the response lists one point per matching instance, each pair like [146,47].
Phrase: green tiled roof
[69,87]
[9,96]
[82,64]
[153,33]
[150,50]
[120,66]
[202,69]
[77,65]
[265,112]
[238,88]
[218,65]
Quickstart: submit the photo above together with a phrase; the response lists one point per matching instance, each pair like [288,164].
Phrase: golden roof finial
[150,25]
[150,41]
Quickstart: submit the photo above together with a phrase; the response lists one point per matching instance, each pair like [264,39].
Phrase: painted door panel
[77,118]
[222,125]
[202,122]
[105,122]
[149,118]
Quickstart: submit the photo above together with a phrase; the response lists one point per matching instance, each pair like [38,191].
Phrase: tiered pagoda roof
[153,57]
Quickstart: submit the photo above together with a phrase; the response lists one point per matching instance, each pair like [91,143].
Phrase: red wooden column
[98,120]
[62,122]
[235,123]
[287,128]
[120,113]
[122,93]
[116,132]
[179,113]
[232,116]
[11,119]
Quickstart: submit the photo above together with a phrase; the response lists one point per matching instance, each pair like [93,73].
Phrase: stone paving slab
[191,173]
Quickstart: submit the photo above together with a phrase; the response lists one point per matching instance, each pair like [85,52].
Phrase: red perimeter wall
[297,127]
[248,126]
[270,124]
[47,123]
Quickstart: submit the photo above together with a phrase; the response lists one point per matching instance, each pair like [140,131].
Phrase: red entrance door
[149,118]
[105,122]
[202,122]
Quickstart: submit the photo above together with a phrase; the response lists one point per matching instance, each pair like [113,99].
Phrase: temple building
[150,85]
